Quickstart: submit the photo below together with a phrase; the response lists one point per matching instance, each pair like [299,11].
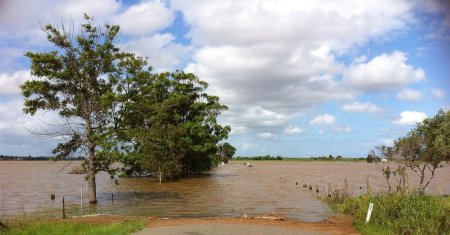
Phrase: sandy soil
[333,225]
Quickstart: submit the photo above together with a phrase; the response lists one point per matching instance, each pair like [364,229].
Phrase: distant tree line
[322,158]
[266,157]
[34,158]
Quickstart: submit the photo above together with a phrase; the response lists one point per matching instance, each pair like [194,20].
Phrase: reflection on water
[229,190]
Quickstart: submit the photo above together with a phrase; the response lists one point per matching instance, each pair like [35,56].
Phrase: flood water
[229,190]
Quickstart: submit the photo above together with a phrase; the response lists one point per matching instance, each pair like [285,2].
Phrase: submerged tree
[425,147]
[79,79]
[172,126]
[226,151]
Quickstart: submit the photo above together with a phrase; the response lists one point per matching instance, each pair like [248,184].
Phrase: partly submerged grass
[45,227]
[399,214]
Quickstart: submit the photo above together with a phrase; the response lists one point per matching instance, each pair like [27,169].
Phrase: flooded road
[229,190]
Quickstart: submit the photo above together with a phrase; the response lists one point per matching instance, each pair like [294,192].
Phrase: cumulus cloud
[386,71]
[9,83]
[144,18]
[255,119]
[24,17]
[362,107]
[410,118]
[438,93]
[323,119]
[338,24]
[292,130]
[266,54]
[409,95]
[163,53]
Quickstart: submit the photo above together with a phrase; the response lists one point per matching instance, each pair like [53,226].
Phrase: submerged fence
[62,206]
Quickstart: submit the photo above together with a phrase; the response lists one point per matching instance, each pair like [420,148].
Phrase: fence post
[329,190]
[345,189]
[81,200]
[63,210]
[369,187]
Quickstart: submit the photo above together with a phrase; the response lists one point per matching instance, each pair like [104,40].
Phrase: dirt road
[222,226]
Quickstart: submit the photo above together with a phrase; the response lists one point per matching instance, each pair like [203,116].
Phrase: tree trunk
[92,189]
[160,174]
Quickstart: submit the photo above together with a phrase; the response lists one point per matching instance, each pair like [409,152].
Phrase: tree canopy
[426,146]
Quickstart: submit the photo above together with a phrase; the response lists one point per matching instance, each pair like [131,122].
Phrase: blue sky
[300,78]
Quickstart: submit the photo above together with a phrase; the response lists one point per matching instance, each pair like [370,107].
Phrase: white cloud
[9,83]
[386,71]
[255,119]
[266,135]
[325,119]
[292,130]
[23,18]
[266,54]
[438,93]
[338,23]
[163,53]
[410,118]
[343,129]
[144,18]
[362,107]
[409,95]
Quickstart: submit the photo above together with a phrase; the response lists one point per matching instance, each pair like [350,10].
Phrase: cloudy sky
[301,78]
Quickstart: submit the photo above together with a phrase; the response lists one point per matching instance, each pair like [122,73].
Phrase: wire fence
[61,206]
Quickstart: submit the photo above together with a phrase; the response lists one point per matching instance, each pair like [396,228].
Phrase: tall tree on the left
[81,80]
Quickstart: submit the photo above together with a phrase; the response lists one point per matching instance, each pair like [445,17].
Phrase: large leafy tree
[425,147]
[172,126]
[80,79]
[226,151]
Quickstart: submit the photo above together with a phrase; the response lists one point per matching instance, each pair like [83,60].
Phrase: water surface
[229,190]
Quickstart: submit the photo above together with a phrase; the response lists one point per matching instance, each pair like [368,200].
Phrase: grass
[398,214]
[60,227]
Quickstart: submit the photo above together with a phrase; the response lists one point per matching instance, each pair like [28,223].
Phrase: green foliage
[47,227]
[425,147]
[399,214]
[226,151]
[171,125]
[372,157]
[79,80]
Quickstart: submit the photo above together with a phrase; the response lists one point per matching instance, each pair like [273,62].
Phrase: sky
[300,78]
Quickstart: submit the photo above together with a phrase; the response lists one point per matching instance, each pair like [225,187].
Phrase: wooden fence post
[345,189]
[369,187]
[329,190]
[63,210]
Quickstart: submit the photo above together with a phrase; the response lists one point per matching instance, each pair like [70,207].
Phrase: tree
[371,156]
[425,147]
[226,151]
[80,80]
[171,123]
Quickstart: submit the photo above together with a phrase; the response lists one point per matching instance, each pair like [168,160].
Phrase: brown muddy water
[229,190]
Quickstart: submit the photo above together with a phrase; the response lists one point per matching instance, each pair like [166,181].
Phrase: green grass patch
[399,214]
[56,227]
